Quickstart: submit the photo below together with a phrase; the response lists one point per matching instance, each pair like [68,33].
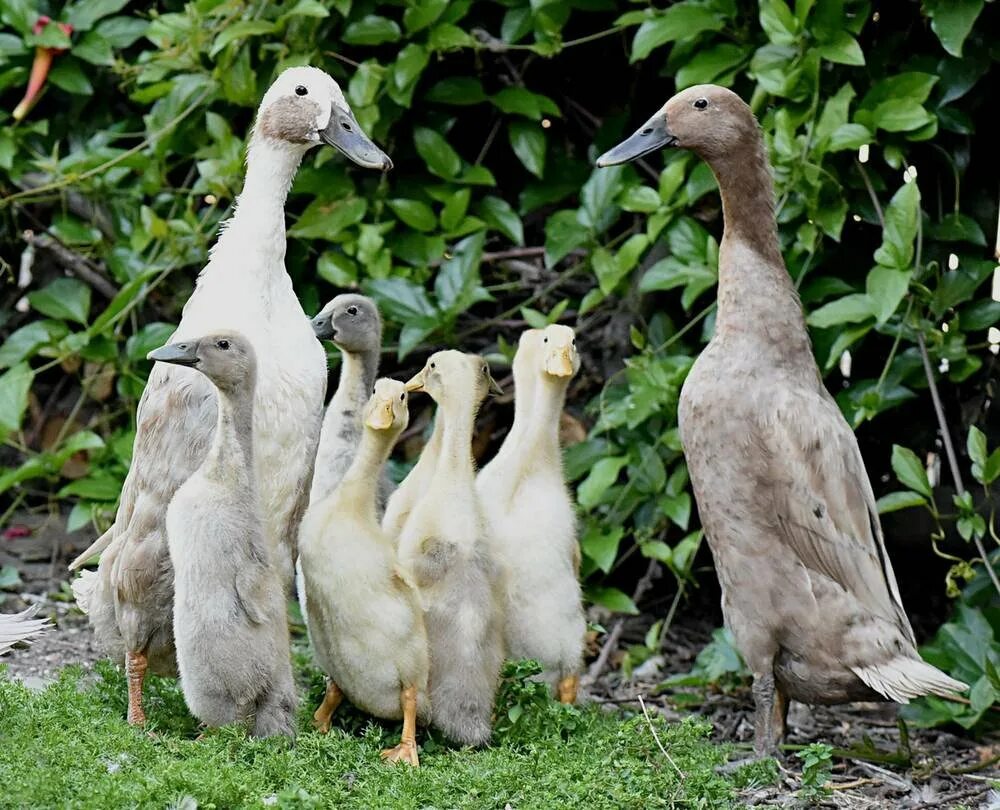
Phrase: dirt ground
[946,770]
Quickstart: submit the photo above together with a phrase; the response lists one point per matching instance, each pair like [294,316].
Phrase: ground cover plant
[878,119]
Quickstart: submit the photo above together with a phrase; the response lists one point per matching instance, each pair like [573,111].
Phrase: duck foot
[567,689]
[406,752]
[135,672]
[323,717]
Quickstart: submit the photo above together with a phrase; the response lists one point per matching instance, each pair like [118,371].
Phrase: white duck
[244,288]
[531,514]
[366,625]
[446,552]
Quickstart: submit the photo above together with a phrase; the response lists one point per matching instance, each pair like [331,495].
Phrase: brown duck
[807,587]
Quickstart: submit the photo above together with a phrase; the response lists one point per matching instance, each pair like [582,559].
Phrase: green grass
[69,746]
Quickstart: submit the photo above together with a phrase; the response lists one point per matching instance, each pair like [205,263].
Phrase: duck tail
[15,627]
[95,548]
[903,678]
[83,589]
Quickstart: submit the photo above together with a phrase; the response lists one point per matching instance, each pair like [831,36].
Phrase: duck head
[388,408]
[306,107]
[352,322]
[456,371]
[709,120]
[227,359]
[560,357]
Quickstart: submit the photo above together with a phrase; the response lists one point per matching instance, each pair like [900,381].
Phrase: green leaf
[454,209]
[14,386]
[498,214]
[528,142]
[563,233]
[600,544]
[886,288]
[778,22]
[976,445]
[849,309]
[602,475]
[121,32]
[440,158]
[612,599]
[708,65]
[98,486]
[65,298]
[956,227]
[901,222]
[640,199]
[849,136]
[241,30]
[448,37]
[409,65]
[24,342]
[94,49]
[517,100]
[325,219]
[680,21]
[68,75]
[414,213]
[458,90]
[910,471]
[457,285]
[900,115]
[952,20]
[422,14]
[895,501]
[842,49]
[83,15]
[307,8]
[403,300]
[10,577]
[371,30]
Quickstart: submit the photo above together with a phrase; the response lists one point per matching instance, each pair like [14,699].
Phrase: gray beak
[322,325]
[648,138]
[344,133]
[181,354]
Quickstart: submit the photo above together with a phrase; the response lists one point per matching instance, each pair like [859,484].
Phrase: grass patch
[69,746]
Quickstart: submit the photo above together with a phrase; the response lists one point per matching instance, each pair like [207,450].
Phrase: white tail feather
[95,548]
[15,627]
[902,679]
[83,589]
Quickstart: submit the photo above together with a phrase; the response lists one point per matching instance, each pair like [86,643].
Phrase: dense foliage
[494,218]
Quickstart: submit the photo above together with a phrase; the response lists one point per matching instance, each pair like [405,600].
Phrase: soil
[945,769]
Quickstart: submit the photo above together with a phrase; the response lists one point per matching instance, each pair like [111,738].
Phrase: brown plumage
[807,587]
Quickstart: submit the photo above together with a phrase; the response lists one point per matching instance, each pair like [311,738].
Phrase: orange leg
[324,714]
[406,751]
[135,672]
[567,689]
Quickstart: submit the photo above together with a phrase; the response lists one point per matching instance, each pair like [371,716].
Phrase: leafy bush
[494,217]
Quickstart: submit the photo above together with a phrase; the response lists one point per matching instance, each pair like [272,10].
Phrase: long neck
[258,221]
[357,378]
[455,453]
[755,290]
[524,393]
[231,455]
[542,438]
[360,482]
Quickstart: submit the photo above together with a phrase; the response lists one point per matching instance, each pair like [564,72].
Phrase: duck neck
[455,452]
[258,221]
[231,455]
[755,289]
[357,379]
[361,479]
[542,438]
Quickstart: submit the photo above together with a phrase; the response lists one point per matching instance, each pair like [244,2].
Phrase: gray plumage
[354,325]
[789,513]
[230,626]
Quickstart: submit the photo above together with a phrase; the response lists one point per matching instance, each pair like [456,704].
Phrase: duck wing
[15,627]
[824,507]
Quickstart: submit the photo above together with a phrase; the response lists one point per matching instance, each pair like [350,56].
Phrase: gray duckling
[230,625]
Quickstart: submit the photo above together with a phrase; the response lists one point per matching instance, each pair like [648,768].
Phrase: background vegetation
[878,120]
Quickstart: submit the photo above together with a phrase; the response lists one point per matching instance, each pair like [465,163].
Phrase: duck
[365,623]
[230,627]
[808,589]
[413,487]
[244,288]
[354,325]
[18,627]
[445,552]
[532,516]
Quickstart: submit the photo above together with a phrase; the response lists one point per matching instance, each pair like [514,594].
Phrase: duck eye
[573,342]
[647,131]
[402,397]
[701,104]
[223,344]
[352,310]
[433,365]
[346,126]
[545,340]
[301,90]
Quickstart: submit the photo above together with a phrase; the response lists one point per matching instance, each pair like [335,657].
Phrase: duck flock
[413,596]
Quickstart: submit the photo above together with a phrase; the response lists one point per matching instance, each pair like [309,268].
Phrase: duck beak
[416,382]
[651,136]
[559,363]
[180,354]
[322,326]
[344,133]
[379,415]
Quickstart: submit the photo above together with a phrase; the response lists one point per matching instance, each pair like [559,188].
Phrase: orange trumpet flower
[40,67]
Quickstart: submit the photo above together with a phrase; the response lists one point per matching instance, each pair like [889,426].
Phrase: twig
[851,785]
[949,799]
[73,262]
[656,737]
[979,766]
[949,450]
